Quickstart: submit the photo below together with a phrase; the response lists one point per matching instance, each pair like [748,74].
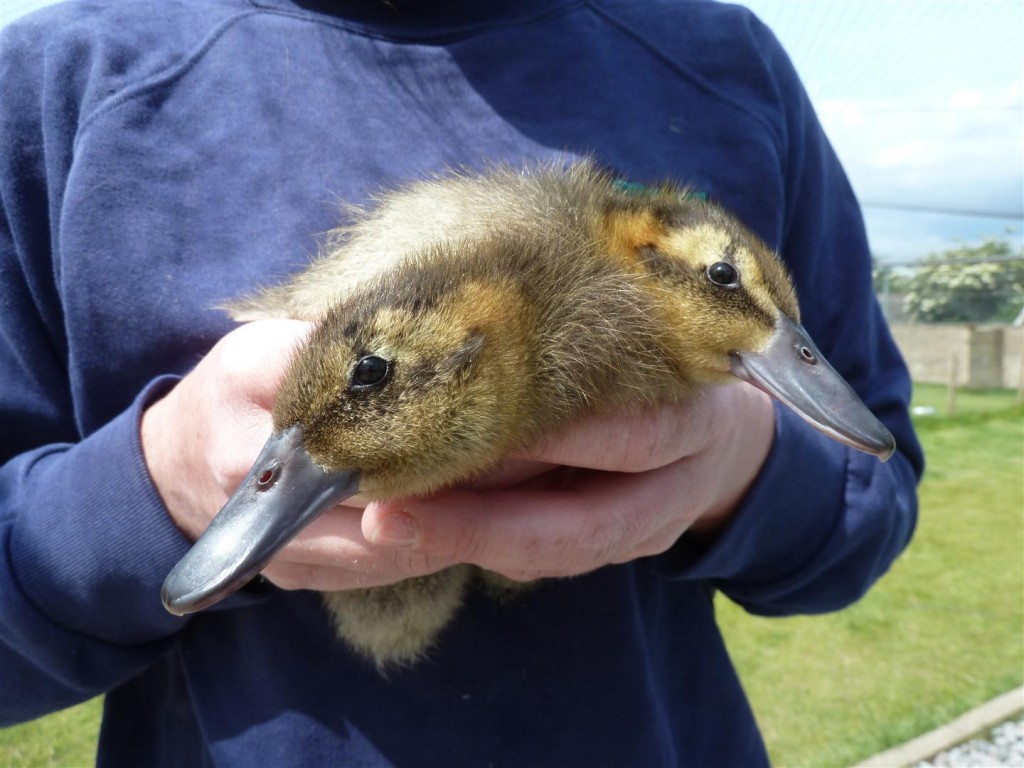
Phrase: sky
[923,101]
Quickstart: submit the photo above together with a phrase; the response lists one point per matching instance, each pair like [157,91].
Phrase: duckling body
[466,316]
[514,282]
[464,210]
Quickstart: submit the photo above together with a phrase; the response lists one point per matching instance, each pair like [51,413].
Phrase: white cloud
[966,99]
[924,103]
[969,159]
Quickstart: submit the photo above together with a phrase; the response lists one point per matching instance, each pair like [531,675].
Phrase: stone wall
[984,357]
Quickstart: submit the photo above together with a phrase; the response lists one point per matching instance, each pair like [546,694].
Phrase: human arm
[808,530]
[74,499]
[85,541]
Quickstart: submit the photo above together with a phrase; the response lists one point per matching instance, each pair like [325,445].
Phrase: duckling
[463,318]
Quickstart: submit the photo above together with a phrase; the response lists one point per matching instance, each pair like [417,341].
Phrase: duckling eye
[371,371]
[724,274]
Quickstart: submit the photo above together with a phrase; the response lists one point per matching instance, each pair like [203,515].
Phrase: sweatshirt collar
[423,20]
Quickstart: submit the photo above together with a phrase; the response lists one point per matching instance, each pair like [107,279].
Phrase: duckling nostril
[808,355]
[267,478]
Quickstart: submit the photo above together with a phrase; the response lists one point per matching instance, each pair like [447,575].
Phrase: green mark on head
[634,189]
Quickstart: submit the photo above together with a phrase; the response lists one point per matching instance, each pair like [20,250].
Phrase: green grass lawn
[66,739]
[941,633]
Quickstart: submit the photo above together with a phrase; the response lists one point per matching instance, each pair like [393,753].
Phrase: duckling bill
[465,317]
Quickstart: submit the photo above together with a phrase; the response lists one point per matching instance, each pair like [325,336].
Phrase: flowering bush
[968,284]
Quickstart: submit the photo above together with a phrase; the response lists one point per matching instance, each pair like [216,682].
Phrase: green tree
[968,284]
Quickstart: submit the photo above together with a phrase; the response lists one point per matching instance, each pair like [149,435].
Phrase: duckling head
[412,395]
[407,387]
[734,311]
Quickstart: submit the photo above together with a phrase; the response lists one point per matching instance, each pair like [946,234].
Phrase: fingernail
[396,529]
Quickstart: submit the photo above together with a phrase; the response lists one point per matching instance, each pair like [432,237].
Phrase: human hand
[200,439]
[629,487]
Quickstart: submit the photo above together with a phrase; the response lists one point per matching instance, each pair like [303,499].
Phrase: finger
[323,578]
[249,363]
[255,356]
[333,539]
[659,542]
[508,473]
[598,520]
[639,441]
[333,554]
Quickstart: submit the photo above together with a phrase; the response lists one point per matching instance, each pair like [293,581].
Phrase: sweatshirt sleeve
[85,540]
[84,537]
[823,521]
[85,544]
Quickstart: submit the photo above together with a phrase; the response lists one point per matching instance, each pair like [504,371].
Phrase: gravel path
[1002,748]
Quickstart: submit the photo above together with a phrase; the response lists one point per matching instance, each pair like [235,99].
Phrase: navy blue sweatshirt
[157,158]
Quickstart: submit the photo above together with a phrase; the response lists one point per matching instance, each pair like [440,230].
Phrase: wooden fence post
[951,387]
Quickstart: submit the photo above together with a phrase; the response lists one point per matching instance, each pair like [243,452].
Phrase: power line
[972,212]
[922,262]
[912,110]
